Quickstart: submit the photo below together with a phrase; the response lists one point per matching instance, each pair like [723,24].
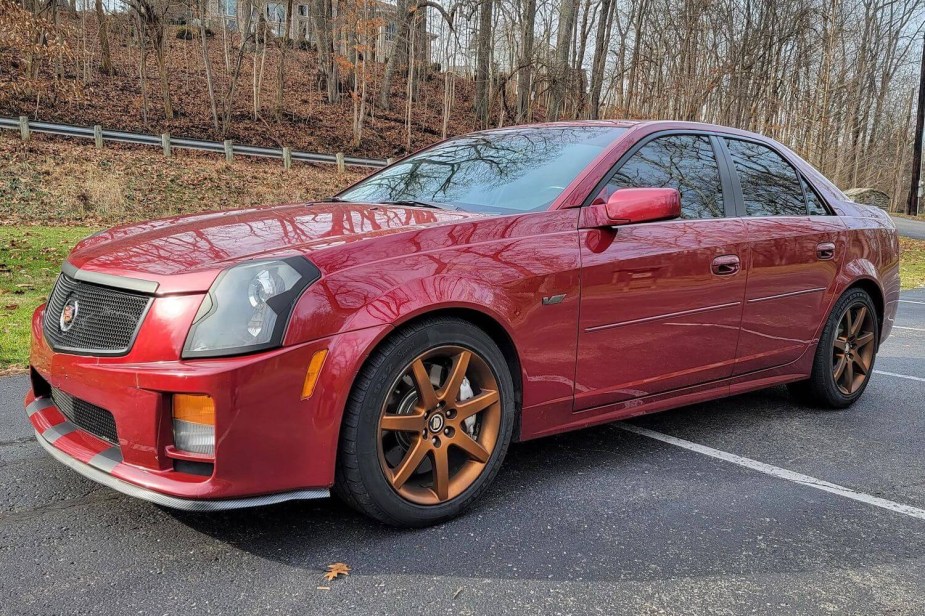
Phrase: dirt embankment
[51,180]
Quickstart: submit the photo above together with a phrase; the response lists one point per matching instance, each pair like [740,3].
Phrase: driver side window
[684,162]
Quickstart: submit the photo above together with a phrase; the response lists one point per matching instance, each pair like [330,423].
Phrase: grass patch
[912,263]
[920,217]
[30,259]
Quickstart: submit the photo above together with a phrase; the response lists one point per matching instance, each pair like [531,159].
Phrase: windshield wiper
[418,203]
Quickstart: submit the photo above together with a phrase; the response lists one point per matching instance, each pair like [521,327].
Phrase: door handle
[825,250]
[725,265]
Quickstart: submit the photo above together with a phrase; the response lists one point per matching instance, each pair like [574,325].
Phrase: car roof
[563,123]
[621,123]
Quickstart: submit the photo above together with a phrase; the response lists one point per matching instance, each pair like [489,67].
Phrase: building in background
[231,15]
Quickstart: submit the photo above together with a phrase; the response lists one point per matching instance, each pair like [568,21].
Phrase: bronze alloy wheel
[853,348]
[439,425]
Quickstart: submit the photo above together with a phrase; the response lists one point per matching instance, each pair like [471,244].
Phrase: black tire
[359,478]
[821,389]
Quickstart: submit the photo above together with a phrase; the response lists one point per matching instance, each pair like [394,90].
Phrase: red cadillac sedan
[391,342]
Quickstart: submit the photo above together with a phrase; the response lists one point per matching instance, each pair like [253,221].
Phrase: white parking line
[776,471]
[909,301]
[914,329]
[900,376]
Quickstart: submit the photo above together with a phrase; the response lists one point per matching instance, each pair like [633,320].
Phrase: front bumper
[271,445]
[100,476]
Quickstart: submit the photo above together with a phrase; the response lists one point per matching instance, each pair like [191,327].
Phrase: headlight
[248,307]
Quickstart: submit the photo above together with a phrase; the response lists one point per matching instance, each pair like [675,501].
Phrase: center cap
[436,422]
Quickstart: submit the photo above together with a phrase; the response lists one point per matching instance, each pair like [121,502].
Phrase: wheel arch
[873,289]
[480,319]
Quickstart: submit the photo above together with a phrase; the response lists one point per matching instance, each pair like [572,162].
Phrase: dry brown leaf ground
[307,123]
[51,180]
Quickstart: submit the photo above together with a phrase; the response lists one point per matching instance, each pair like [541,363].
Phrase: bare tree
[151,16]
[103,26]
[323,27]
[559,78]
[483,61]
[284,44]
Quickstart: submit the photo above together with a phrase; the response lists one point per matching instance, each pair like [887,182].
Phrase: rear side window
[684,162]
[813,201]
[770,185]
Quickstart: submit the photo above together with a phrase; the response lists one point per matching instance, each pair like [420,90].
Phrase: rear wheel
[427,424]
[845,356]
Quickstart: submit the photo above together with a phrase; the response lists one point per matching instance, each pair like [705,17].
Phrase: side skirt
[532,425]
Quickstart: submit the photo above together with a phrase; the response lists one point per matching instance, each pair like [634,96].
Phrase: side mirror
[631,205]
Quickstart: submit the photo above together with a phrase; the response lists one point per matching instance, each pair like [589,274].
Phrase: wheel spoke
[849,376]
[404,423]
[840,367]
[864,339]
[858,320]
[472,448]
[474,405]
[450,390]
[859,366]
[841,344]
[849,323]
[410,463]
[441,464]
[426,394]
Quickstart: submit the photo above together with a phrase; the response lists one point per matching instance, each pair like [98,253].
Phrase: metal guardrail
[190,144]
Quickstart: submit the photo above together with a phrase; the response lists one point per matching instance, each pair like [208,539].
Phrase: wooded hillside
[834,79]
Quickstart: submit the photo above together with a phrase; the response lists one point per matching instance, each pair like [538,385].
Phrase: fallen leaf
[336,570]
[11,306]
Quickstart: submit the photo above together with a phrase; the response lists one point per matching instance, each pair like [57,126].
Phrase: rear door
[792,255]
[661,302]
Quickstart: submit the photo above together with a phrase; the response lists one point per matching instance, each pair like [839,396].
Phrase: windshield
[515,170]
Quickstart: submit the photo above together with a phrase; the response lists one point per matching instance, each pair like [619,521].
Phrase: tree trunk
[105,57]
[285,42]
[323,27]
[525,76]
[601,45]
[207,63]
[560,72]
[160,46]
[912,205]
[143,70]
[482,63]
[235,72]
[398,51]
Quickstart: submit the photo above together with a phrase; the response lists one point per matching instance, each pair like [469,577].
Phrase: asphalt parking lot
[599,521]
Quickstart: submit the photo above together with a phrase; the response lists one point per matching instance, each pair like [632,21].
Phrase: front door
[792,256]
[661,302]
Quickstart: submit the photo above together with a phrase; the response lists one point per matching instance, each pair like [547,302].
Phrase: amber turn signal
[314,371]
[194,423]
[194,408]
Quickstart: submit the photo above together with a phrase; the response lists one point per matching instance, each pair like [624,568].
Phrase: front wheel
[427,424]
[845,356]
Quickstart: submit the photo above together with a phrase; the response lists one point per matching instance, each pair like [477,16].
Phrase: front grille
[103,321]
[95,420]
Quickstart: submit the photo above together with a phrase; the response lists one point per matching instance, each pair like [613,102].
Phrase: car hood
[184,254]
